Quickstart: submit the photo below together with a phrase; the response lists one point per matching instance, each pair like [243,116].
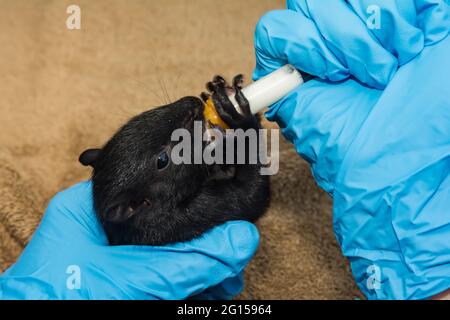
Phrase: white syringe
[262,93]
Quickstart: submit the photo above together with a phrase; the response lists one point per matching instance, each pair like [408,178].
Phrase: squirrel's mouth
[213,132]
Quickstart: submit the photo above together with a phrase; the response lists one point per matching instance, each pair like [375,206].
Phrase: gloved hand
[68,258]
[375,127]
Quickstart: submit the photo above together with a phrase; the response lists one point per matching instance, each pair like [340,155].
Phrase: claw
[205,96]
[219,81]
[211,87]
[238,81]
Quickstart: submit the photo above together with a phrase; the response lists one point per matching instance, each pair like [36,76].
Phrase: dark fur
[139,204]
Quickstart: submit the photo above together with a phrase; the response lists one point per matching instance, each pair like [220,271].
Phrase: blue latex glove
[375,127]
[71,242]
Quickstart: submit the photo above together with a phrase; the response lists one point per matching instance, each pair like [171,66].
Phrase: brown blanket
[65,90]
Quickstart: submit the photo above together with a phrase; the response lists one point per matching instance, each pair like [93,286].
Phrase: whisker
[164,90]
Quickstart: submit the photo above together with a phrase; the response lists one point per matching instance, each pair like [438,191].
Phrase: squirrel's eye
[163,160]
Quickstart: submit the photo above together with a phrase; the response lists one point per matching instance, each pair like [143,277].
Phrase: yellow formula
[212,116]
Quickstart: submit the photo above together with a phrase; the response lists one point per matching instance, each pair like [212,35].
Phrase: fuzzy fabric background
[65,90]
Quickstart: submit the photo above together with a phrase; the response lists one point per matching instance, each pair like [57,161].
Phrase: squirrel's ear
[119,213]
[125,210]
[89,157]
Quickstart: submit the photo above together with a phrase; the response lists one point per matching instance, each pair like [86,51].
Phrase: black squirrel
[142,198]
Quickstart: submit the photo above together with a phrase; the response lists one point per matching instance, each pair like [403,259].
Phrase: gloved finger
[404,27]
[322,119]
[285,36]
[226,290]
[348,36]
[72,211]
[75,198]
[331,49]
[181,270]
